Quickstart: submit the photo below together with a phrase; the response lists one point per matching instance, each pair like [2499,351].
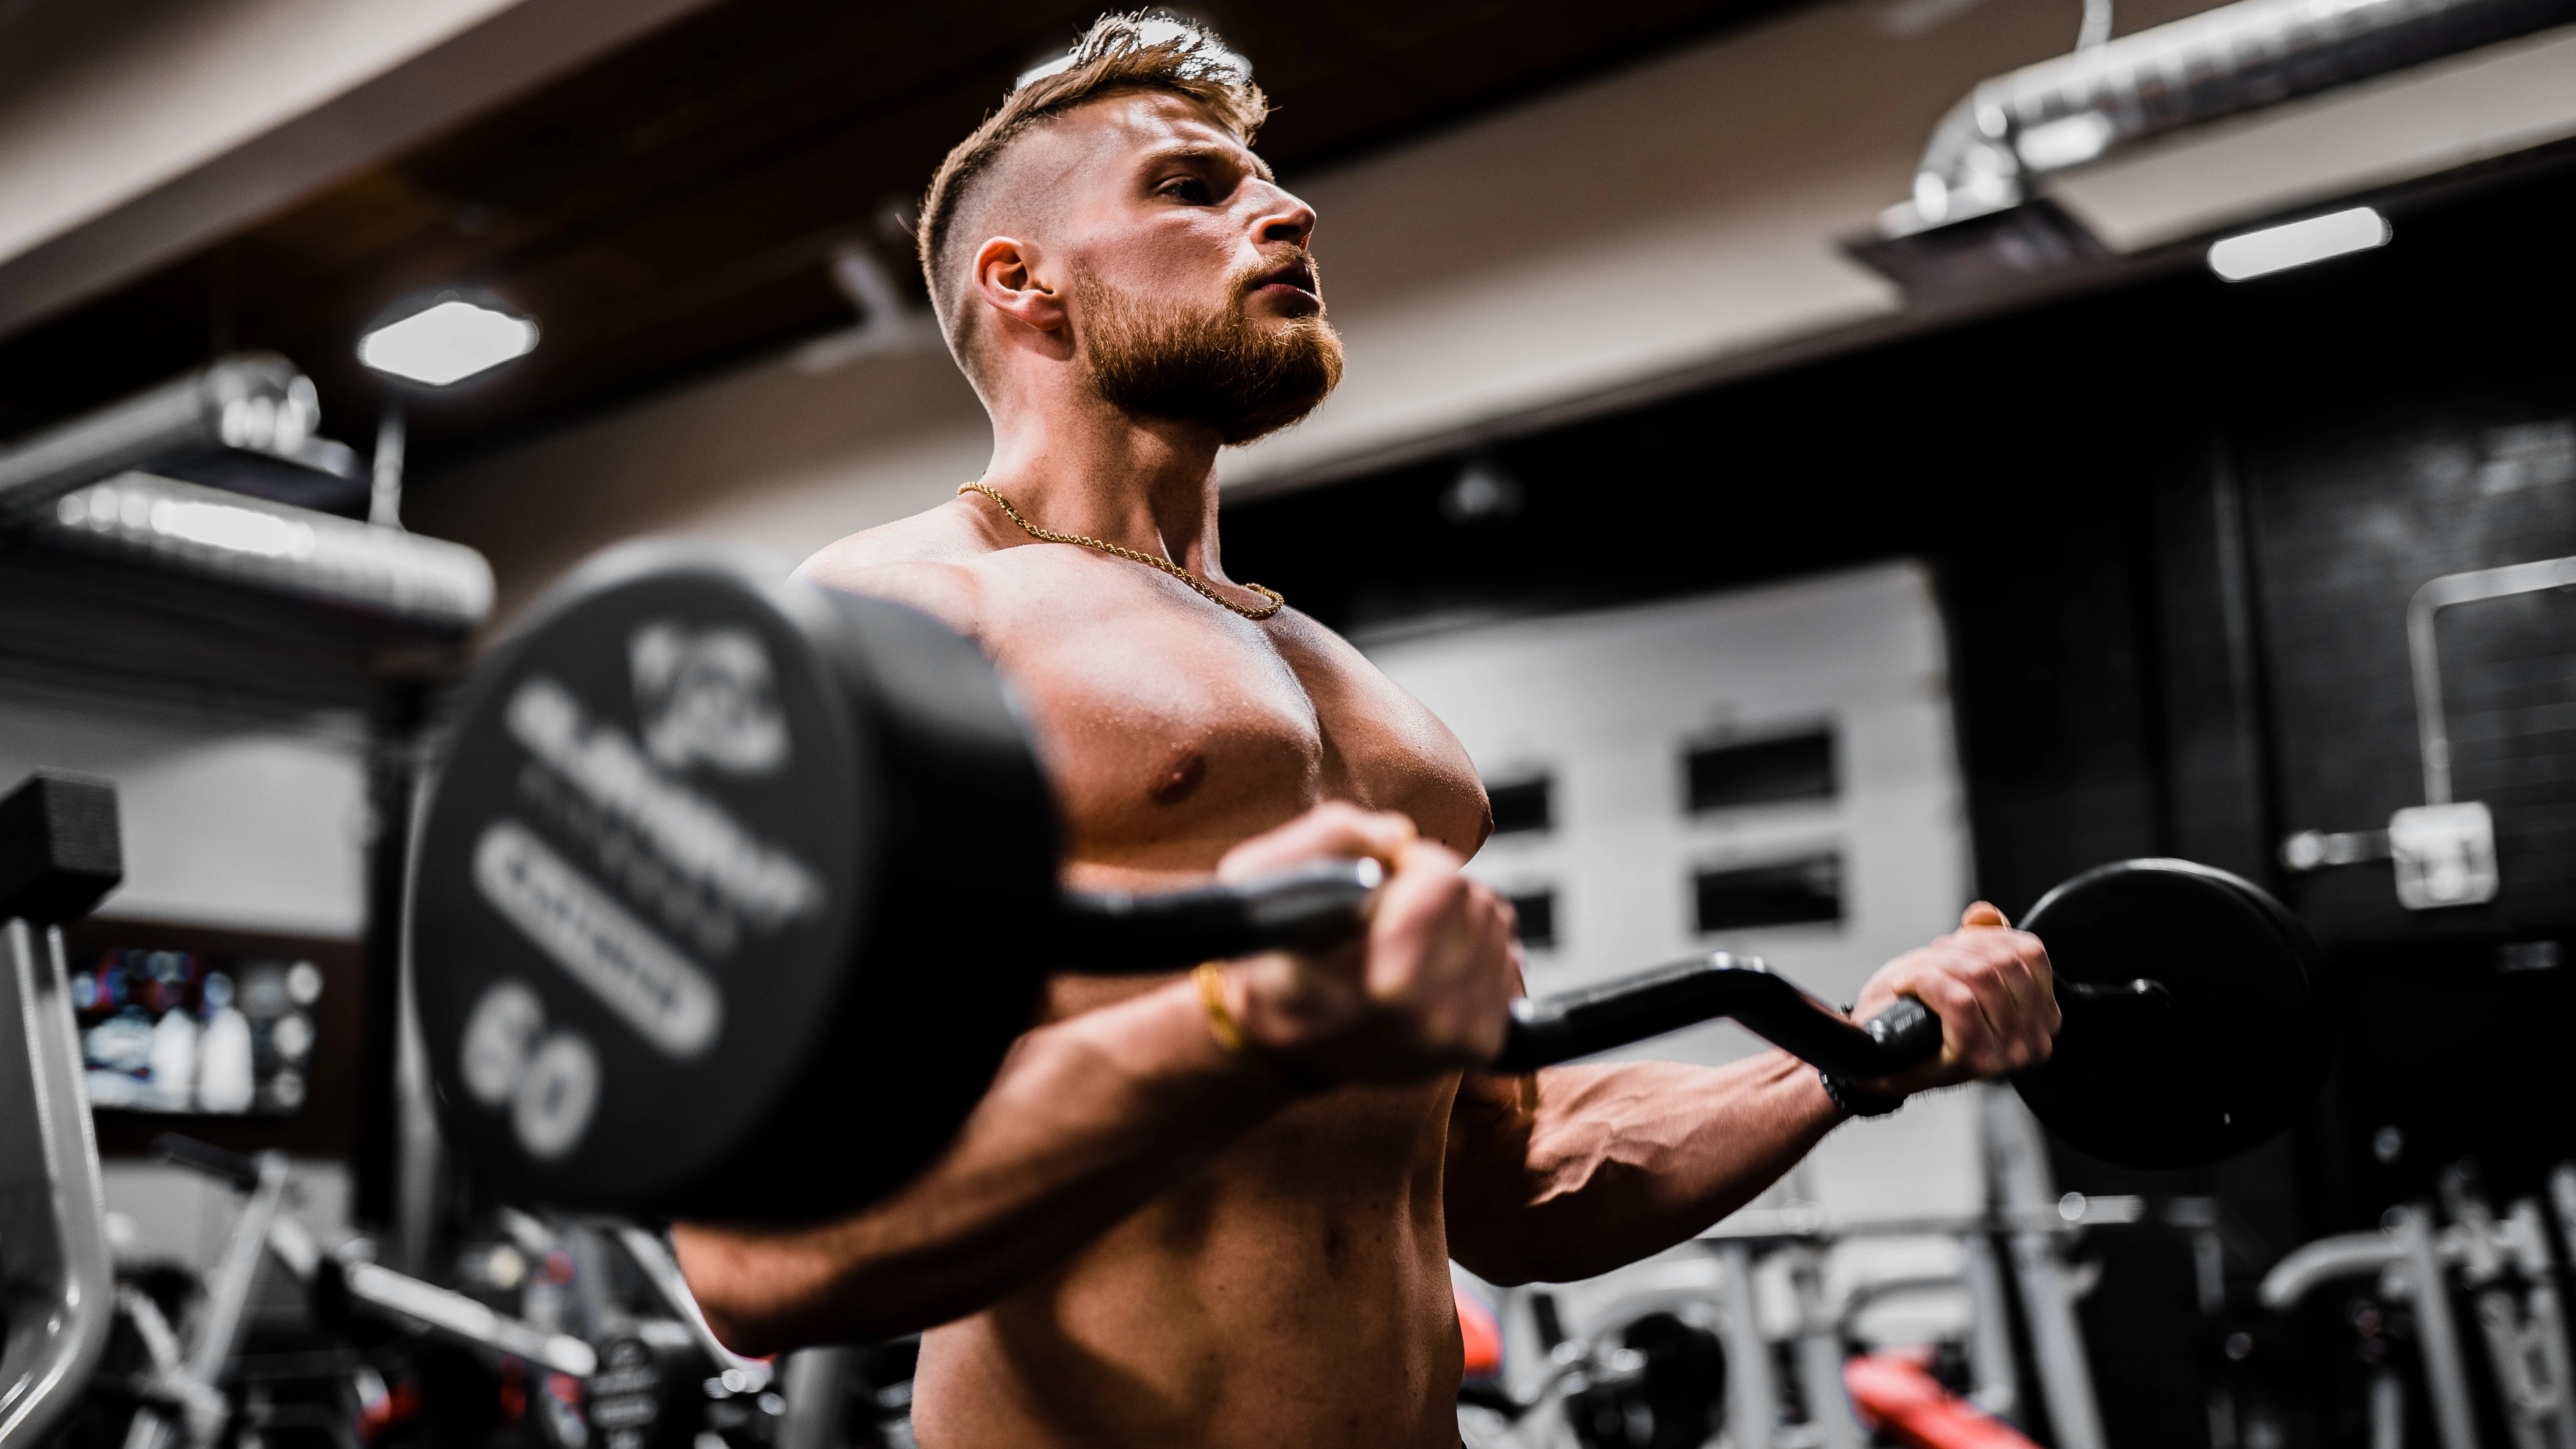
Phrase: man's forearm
[1090,1118]
[1596,1166]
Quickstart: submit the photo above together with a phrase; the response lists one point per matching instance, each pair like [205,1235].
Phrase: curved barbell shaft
[1319,904]
[1551,1029]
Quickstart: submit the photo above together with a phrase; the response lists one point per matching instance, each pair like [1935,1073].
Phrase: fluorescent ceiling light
[450,341]
[1153,31]
[239,529]
[2297,243]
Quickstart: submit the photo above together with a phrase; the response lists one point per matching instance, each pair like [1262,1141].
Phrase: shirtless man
[1218,1210]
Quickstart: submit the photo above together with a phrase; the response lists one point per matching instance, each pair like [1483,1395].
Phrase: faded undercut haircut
[1113,57]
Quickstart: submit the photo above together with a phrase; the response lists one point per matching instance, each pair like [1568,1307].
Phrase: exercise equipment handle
[59,853]
[1310,906]
[1546,1030]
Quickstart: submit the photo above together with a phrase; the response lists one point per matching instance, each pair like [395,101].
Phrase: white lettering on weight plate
[641,977]
[692,834]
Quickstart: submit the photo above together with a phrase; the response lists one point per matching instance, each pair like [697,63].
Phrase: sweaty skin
[1141,1238]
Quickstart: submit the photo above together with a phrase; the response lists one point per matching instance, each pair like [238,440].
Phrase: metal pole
[53,1214]
[1990,1351]
[2387,1411]
[815,1380]
[2018,1160]
[2432,730]
[1752,1399]
[227,1303]
[1820,1355]
[384,502]
[2445,1372]
[231,1296]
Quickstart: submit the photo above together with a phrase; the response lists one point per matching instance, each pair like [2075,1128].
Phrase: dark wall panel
[2354,513]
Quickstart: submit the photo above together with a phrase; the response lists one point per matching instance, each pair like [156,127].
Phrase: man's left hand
[1990,986]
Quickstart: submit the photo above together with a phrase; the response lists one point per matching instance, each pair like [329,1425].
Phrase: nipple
[1180,781]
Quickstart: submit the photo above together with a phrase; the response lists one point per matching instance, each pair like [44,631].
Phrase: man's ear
[1007,276]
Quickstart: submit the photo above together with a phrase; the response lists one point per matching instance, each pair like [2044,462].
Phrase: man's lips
[1297,276]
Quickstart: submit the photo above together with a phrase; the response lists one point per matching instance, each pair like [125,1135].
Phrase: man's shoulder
[927,560]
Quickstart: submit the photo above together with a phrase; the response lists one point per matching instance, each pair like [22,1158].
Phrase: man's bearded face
[1214,365]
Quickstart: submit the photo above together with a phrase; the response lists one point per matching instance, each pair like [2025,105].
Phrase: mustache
[1289,256]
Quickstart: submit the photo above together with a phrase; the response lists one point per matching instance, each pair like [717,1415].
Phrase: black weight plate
[2323,1002]
[2231,1060]
[643,869]
[669,923]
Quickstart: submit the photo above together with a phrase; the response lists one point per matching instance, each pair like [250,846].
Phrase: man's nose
[1285,219]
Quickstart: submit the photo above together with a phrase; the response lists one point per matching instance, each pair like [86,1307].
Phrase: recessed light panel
[449,342]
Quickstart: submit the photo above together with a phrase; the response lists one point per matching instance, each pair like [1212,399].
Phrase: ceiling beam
[145,134]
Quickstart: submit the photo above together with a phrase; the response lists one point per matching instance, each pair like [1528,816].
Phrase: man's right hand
[1427,990]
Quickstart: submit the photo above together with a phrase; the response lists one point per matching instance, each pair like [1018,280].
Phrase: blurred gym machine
[2444,850]
[102,1344]
[2511,1274]
[1677,1350]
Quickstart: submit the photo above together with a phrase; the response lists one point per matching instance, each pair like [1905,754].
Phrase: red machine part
[1482,1333]
[1899,1396]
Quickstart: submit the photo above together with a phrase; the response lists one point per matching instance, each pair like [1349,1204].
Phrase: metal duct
[253,400]
[276,548]
[2065,112]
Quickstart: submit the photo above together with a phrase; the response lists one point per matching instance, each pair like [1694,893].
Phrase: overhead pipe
[276,548]
[86,484]
[252,400]
[2062,113]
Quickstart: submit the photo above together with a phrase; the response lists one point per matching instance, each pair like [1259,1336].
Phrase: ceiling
[672,208]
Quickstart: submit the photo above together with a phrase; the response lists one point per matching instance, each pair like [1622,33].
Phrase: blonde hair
[1112,57]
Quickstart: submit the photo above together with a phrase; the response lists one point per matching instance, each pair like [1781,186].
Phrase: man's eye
[1190,189]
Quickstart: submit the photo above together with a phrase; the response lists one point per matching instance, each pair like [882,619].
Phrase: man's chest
[1172,730]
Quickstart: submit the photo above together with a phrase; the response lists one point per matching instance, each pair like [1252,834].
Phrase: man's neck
[1145,484]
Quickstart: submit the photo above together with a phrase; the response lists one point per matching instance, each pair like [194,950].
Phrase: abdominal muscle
[1294,1293]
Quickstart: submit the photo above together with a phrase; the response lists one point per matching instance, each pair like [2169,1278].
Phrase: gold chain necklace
[1277,599]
